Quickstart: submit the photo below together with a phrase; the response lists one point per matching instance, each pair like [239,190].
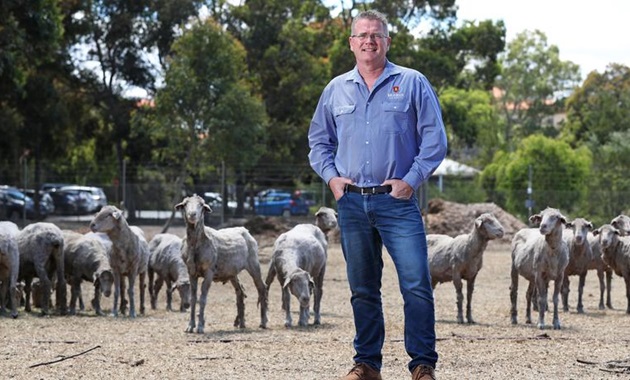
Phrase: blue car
[281,204]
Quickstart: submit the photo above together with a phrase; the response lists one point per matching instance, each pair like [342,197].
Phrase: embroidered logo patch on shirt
[395,93]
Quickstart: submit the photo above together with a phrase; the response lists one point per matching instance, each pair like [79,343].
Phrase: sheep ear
[478,222]
[116,214]
[95,278]
[287,281]
[535,219]
[179,206]
[174,287]
[207,208]
[596,231]
[589,226]
[569,225]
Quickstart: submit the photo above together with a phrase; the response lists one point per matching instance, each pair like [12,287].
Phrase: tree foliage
[558,174]
[532,77]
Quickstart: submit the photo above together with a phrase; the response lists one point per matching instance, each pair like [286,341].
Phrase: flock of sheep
[115,254]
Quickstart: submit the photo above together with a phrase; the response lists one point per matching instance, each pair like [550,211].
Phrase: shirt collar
[390,69]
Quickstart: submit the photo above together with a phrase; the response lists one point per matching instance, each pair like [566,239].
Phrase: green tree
[532,77]
[206,113]
[559,175]
[599,107]
[471,122]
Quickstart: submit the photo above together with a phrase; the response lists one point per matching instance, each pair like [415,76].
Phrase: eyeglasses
[365,36]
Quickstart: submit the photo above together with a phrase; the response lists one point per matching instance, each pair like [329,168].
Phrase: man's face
[369,43]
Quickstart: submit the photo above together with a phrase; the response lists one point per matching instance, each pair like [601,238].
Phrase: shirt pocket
[395,116]
[344,118]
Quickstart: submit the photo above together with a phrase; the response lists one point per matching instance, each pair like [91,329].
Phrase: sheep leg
[143,288]
[557,285]
[542,287]
[123,300]
[239,321]
[169,295]
[4,291]
[602,288]
[286,306]
[457,282]
[513,294]
[608,287]
[319,292]
[46,285]
[157,286]
[61,300]
[131,293]
[193,303]
[580,306]
[531,290]
[75,291]
[470,288]
[626,278]
[152,292]
[203,299]
[28,282]
[96,301]
[261,288]
[565,293]
[117,285]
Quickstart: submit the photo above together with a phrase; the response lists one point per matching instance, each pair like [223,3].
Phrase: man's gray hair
[371,14]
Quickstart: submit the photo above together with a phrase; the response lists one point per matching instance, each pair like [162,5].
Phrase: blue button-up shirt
[394,132]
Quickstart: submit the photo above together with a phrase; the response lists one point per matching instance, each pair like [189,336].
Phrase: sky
[591,34]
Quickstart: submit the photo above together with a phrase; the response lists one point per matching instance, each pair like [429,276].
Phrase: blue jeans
[367,222]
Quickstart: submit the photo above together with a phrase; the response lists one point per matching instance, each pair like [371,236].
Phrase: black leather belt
[369,190]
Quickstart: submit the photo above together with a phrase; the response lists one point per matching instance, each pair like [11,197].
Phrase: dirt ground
[155,346]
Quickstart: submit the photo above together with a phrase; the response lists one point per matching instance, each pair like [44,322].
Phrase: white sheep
[616,253]
[540,255]
[129,255]
[622,223]
[167,263]
[461,258]
[299,262]
[219,256]
[580,258]
[9,267]
[41,255]
[86,258]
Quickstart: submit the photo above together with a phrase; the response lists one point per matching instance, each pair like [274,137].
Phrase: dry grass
[155,346]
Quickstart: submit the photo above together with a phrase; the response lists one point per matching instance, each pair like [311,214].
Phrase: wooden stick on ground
[65,357]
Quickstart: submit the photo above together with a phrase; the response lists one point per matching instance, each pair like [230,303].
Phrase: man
[376,135]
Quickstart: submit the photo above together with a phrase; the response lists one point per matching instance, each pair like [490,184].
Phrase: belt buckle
[367,190]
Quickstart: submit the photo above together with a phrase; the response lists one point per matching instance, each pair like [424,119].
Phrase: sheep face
[193,209]
[549,218]
[106,220]
[622,223]
[326,219]
[580,228]
[184,293]
[490,226]
[301,285]
[106,281]
[608,236]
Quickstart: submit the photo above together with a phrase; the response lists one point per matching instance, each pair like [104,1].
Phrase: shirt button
[367,142]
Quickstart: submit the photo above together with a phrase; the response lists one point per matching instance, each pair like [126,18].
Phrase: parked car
[281,204]
[78,200]
[95,193]
[13,204]
[46,204]
[215,200]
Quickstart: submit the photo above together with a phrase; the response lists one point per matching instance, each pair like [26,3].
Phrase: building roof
[453,168]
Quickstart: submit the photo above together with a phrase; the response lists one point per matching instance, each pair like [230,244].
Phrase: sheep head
[548,219]
[193,209]
[489,226]
[107,219]
[580,228]
[300,284]
[326,219]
